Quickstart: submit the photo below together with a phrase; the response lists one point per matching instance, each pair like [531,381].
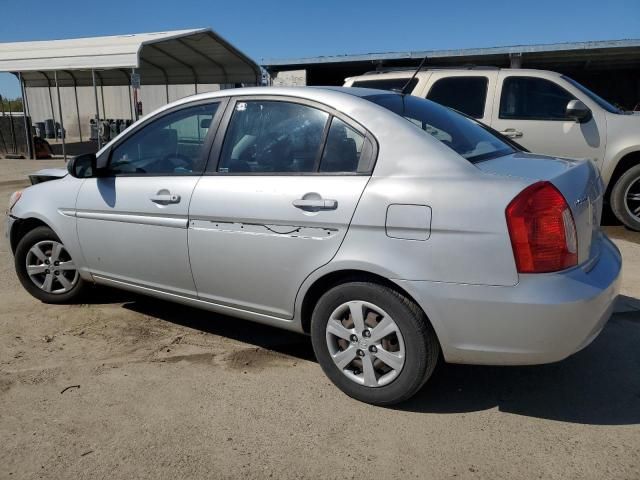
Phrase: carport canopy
[196,56]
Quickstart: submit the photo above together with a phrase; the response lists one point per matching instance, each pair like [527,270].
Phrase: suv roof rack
[453,67]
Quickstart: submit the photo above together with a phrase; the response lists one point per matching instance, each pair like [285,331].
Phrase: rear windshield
[461,134]
[387,84]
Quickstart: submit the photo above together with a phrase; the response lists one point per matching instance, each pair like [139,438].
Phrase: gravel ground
[131,387]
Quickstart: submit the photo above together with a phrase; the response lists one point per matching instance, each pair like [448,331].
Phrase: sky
[291,29]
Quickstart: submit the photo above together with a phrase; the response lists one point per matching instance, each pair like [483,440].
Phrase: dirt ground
[131,387]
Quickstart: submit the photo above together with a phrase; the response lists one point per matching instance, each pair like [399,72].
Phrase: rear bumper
[544,318]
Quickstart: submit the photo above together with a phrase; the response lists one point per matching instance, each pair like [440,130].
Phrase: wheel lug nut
[56,263]
[46,262]
[373,349]
[360,353]
[56,273]
[47,272]
[366,333]
[354,338]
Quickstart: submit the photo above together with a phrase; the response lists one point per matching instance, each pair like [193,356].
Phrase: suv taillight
[542,230]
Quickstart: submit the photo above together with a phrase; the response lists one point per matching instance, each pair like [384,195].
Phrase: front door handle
[165,198]
[315,204]
[511,133]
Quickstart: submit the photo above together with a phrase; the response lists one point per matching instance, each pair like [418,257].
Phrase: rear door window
[465,94]
[530,98]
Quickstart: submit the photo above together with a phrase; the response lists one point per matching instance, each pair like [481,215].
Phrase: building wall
[117,103]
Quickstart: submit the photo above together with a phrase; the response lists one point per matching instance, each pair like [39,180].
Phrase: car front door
[276,201]
[532,111]
[132,219]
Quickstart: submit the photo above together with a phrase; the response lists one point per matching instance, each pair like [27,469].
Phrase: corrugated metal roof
[173,57]
[468,52]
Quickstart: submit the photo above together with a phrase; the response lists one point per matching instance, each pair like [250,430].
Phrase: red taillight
[542,230]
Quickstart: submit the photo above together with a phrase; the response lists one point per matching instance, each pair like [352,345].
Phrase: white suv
[546,112]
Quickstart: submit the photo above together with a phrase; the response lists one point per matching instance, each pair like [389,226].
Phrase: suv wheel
[45,267]
[625,198]
[374,344]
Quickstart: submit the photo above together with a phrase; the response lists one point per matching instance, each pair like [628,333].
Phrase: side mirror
[578,111]
[83,166]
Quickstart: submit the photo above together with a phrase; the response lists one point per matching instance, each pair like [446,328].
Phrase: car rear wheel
[625,198]
[45,267]
[374,344]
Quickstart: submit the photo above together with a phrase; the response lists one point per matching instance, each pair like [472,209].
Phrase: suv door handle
[165,198]
[314,204]
[511,133]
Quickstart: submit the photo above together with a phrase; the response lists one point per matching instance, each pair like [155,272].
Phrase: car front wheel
[45,267]
[374,344]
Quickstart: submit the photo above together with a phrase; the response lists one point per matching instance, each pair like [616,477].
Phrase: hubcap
[365,343]
[51,268]
[632,199]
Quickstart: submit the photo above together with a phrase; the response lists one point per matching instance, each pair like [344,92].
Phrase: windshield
[458,132]
[596,98]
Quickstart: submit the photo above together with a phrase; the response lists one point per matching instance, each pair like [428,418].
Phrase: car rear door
[276,201]
[132,220]
[469,92]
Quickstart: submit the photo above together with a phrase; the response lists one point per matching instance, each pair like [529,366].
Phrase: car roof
[406,73]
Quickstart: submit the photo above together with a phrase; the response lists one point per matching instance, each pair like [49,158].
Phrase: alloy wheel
[632,199]
[51,268]
[365,343]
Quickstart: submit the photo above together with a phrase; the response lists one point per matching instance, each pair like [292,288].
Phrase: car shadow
[258,335]
[598,386]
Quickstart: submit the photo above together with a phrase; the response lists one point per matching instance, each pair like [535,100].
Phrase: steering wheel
[174,161]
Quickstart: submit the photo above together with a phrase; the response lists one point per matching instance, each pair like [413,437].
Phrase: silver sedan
[392,230]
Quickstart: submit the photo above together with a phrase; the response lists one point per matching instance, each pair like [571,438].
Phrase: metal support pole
[53,115]
[135,89]
[26,99]
[195,84]
[62,132]
[27,132]
[75,94]
[131,102]
[95,95]
[104,110]
[166,88]
[13,130]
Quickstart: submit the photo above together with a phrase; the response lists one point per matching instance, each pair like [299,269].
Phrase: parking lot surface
[132,387]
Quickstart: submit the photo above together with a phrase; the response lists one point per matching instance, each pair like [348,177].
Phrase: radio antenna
[406,85]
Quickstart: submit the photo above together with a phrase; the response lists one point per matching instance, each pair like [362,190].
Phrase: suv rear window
[461,134]
[465,94]
[387,83]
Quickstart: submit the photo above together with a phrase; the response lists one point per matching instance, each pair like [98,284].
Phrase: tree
[15,105]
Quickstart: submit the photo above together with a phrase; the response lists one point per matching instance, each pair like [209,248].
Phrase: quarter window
[171,145]
[273,137]
[343,149]
[529,98]
[465,94]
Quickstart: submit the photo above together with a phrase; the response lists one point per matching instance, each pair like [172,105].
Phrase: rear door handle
[511,133]
[165,198]
[314,204]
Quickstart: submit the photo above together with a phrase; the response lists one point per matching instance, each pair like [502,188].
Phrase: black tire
[618,200]
[36,235]
[421,345]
